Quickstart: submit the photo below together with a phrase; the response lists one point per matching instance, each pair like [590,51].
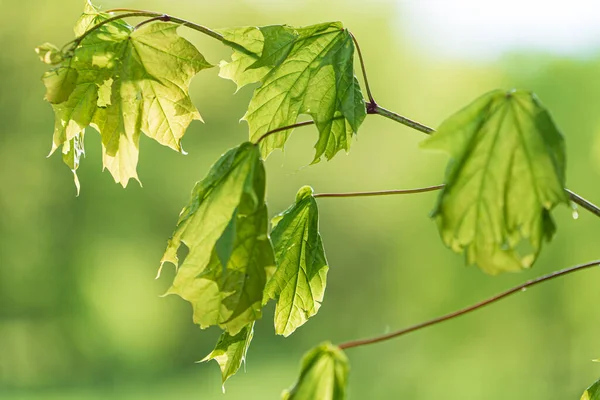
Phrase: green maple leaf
[593,392]
[306,70]
[230,255]
[230,351]
[123,82]
[300,279]
[323,375]
[506,174]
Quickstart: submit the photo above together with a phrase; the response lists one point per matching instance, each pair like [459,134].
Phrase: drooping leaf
[507,172]
[230,351]
[300,279]
[306,70]
[230,255]
[323,375]
[123,82]
[593,392]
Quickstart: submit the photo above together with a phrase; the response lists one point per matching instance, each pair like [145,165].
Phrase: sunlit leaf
[123,82]
[91,16]
[506,174]
[230,255]
[300,279]
[593,392]
[323,375]
[306,70]
[49,54]
[230,351]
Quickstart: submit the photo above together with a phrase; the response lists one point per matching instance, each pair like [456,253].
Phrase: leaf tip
[304,192]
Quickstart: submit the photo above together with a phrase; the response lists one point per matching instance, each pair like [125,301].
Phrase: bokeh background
[80,312]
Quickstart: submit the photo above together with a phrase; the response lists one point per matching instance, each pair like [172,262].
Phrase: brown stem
[283,128]
[575,198]
[455,314]
[363,69]
[130,13]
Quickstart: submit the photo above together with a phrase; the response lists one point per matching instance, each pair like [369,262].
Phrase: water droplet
[523,289]
[575,214]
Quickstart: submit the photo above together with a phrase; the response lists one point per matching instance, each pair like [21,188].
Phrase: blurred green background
[80,312]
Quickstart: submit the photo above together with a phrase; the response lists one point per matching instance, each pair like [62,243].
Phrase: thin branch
[467,310]
[77,41]
[283,128]
[381,192]
[149,20]
[288,127]
[130,13]
[376,109]
[199,28]
[363,69]
[577,199]
[587,205]
[127,10]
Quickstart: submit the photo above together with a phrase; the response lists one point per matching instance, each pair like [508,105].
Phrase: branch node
[372,107]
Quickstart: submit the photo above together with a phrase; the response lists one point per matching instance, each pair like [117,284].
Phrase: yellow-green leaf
[300,279]
[123,82]
[507,172]
[230,255]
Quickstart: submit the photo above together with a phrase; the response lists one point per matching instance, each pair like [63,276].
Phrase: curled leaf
[323,375]
[230,255]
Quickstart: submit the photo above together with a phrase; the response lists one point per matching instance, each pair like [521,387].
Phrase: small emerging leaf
[306,70]
[230,255]
[230,351]
[593,392]
[300,279]
[507,172]
[49,54]
[323,375]
[124,81]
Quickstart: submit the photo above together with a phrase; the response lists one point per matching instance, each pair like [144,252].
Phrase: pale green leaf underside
[300,279]
[507,172]
[49,54]
[230,255]
[593,392]
[123,82]
[323,375]
[306,70]
[230,351]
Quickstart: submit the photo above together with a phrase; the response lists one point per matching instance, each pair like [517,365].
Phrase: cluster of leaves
[506,173]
